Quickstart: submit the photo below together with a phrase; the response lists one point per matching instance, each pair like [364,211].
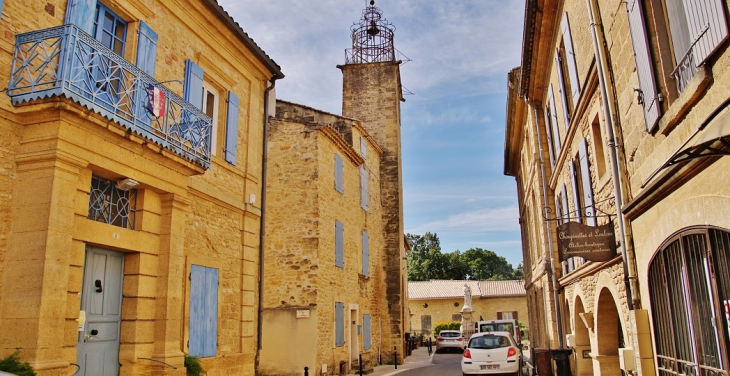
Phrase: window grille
[111,205]
[689,287]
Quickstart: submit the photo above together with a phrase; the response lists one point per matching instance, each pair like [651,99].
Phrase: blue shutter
[339,244]
[203,336]
[231,129]
[339,174]
[576,191]
[193,84]
[564,202]
[81,13]
[570,55]
[364,189]
[707,27]
[587,185]
[365,253]
[366,337]
[363,147]
[197,325]
[563,93]
[339,324]
[1,6]
[644,66]
[558,209]
[146,49]
[554,121]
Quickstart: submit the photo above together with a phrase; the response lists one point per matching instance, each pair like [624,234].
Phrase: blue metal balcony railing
[66,61]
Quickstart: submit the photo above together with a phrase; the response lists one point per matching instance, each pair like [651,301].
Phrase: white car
[492,352]
[450,339]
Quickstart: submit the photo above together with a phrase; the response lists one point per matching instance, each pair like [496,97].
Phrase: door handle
[97,284]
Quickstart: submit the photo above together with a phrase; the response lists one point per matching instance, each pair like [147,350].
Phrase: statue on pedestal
[467,296]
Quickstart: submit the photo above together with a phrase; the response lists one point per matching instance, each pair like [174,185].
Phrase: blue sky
[453,125]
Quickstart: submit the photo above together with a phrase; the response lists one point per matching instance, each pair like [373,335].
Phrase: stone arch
[608,324]
[583,365]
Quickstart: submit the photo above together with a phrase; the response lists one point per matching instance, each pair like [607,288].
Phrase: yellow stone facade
[186,214]
[615,308]
[483,308]
[302,280]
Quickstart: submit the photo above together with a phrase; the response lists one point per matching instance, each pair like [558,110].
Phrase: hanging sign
[589,242]
[155,101]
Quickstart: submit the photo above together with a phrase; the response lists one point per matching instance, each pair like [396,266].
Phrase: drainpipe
[632,297]
[545,196]
[262,233]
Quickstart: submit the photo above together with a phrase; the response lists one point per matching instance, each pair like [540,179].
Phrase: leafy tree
[520,272]
[426,262]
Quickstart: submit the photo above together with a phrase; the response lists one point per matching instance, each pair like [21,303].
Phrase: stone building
[335,252]
[627,124]
[131,199]
[430,302]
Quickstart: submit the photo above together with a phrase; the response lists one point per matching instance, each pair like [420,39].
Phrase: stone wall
[186,215]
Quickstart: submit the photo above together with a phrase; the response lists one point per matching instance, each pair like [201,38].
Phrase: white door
[101,299]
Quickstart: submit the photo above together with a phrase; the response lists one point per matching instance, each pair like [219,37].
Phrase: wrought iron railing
[685,70]
[66,61]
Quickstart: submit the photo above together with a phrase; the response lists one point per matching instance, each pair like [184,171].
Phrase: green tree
[425,260]
[520,272]
[487,265]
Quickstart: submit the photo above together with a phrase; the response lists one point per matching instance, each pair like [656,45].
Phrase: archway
[609,334]
[583,360]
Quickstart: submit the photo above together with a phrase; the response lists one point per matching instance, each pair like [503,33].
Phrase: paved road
[444,364]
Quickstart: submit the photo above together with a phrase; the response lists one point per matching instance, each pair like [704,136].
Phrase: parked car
[490,353]
[450,339]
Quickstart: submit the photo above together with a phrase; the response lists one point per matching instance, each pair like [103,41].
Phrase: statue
[467,296]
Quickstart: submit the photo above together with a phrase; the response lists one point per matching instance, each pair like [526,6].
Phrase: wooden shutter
[644,65]
[366,338]
[339,244]
[563,93]
[146,49]
[193,84]
[570,56]
[554,121]
[231,129]
[549,133]
[566,211]
[514,316]
[339,324]
[364,189]
[590,212]
[499,315]
[203,325]
[426,323]
[365,253]
[576,191]
[558,209]
[707,26]
[339,174]
[81,13]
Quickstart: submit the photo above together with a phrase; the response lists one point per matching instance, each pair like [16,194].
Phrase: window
[112,205]
[365,253]
[456,317]
[109,29]
[586,183]
[367,342]
[685,34]
[364,188]
[210,108]
[565,63]
[339,244]
[339,324]
[576,189]
[203,336]
[549,132]
[339,174]
[689,286]
[598,151]
[507,316]
[552,116]
[426,323]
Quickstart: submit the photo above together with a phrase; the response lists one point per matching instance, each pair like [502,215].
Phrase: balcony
[66,61]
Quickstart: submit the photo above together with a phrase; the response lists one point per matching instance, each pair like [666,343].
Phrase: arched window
[689,284]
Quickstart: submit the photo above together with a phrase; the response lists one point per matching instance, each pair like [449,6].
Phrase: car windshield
[449,334]
[489,342]
[501,327]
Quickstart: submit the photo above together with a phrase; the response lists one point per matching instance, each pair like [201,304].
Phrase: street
[444,364]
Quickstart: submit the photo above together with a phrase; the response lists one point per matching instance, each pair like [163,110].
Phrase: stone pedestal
[467,324]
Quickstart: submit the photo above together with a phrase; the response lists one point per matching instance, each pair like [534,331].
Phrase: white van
[505,325]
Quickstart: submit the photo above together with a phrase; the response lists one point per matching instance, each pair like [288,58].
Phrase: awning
[713,140]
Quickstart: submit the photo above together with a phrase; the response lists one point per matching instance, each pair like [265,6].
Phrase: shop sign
[589,242]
